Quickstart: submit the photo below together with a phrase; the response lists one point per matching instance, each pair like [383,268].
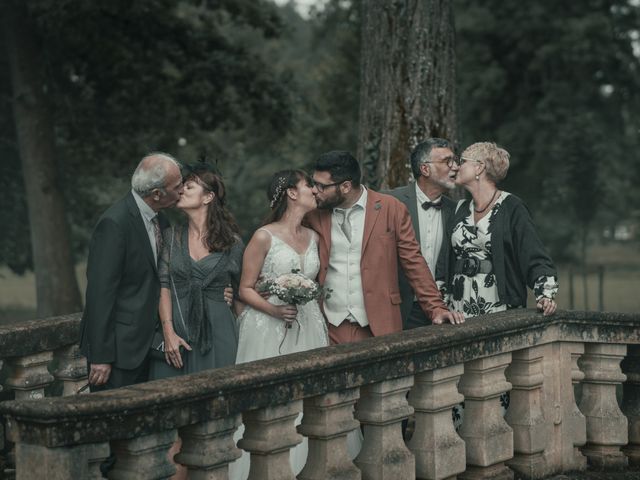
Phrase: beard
[329,203]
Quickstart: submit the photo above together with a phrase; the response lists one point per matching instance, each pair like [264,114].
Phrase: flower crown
[280,188]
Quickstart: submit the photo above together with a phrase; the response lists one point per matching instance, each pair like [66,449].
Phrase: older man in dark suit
[430,210]
[123,288]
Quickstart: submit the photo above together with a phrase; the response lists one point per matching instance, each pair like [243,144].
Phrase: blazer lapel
[371,216]
[138,225]
[412,205]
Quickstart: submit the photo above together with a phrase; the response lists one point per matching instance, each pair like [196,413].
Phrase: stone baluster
[606,425]
[532,432]
[631,403]
[96,453]
[381,409]
[71,370]
[488,438]
[269,435]
[438,450]
[327,421]
[577,421]
[144,458]
[29,375]
[208,448]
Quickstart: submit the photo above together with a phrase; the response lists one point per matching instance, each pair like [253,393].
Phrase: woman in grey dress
[197,262]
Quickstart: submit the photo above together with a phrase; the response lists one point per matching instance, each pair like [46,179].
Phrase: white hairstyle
[151,173]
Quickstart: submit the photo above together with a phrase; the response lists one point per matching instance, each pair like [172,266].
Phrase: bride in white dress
[279,247]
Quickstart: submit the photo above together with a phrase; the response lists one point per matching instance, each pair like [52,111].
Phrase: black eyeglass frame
[323,186]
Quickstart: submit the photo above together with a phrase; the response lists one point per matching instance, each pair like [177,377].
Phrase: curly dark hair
[222,229]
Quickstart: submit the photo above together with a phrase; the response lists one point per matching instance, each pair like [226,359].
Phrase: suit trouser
[416,318]
[348,332]
[121,377]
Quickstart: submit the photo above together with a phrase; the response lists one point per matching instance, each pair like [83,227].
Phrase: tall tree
[56,285]
[407,83]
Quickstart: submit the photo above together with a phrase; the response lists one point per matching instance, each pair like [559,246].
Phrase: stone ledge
[154,406]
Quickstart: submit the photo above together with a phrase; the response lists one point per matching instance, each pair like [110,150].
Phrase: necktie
[345,224]
[157,233]
[427,205]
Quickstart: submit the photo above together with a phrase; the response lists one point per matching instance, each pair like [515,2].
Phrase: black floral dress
[478,294]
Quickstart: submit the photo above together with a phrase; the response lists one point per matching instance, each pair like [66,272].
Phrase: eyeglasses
[322,186]
[459,161]
[449,161]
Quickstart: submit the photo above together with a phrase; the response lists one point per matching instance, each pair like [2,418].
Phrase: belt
[471,266]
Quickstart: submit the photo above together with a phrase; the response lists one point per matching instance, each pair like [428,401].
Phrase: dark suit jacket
[407,195]
[123,289]
[387,239]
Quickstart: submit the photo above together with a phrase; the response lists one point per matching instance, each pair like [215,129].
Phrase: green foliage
[557,84]
[125,78]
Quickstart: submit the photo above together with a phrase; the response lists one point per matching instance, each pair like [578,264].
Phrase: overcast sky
[303,5]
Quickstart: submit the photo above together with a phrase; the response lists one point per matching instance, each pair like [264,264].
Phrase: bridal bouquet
[294,289]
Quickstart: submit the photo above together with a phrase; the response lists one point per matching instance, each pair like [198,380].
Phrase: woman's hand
[547,306]
[172,344]
[287,313]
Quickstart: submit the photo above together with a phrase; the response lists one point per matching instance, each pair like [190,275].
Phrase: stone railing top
[42,335]
[175,402]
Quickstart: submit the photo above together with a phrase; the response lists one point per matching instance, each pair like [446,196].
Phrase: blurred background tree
[258,87]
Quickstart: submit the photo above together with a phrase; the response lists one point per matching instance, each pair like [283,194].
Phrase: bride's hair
[277,192]
[222,229]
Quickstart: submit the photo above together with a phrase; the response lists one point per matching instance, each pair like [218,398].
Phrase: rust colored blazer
[388,238]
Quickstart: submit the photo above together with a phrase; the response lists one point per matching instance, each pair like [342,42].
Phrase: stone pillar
[439,451]
[37,462]
[208,448]
[327,421]
[381,409]
[71,370]
[532,433]
[96,453]
[606,425]
[143,458]
[29,375]
[631,403]
[488,438]
[269,435]
[577,421]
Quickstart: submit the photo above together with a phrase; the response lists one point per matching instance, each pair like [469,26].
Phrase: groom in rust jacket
[363,235]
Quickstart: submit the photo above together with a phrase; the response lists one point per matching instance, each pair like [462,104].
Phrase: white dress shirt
[346,301]
[147,215]
[430,223]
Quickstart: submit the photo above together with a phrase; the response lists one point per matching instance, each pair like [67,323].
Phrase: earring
[477,177]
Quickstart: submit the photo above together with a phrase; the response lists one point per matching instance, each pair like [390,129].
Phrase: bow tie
[427,205]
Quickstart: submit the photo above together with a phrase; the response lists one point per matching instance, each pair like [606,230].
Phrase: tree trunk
[56,284]
[407,84]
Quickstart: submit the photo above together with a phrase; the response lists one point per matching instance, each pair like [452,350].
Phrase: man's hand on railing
[455,318]
[99,373]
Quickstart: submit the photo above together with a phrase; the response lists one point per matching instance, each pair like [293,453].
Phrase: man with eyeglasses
[430,209]
[363,236]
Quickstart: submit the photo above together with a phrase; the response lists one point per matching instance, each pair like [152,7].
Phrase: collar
[361,203]
[422,197]
[145,210]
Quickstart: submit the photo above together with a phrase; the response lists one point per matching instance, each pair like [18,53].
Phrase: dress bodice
[282,258]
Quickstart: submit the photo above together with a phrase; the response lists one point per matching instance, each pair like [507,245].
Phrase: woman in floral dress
[496,251]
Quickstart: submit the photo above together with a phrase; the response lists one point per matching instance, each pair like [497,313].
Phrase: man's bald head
[157,180]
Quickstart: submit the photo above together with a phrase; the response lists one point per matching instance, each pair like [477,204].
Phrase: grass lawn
[621,285]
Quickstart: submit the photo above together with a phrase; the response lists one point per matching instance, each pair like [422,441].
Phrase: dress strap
[268,231]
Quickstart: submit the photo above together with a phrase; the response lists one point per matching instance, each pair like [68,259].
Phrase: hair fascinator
[201,166]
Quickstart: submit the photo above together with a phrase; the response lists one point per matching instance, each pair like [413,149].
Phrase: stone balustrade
[543,362]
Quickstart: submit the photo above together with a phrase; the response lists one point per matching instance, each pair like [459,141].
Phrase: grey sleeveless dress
[200,314]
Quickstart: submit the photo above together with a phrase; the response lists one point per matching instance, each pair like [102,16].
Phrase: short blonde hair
[495,159]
